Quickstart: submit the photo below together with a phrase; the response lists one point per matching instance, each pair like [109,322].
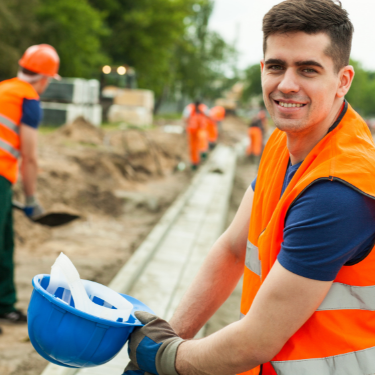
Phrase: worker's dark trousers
[7,288]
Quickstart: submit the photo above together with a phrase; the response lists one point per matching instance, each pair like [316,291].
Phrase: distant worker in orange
[256,132]
[195,116]
[20,114]
[217,114]
[212,133]
[204,137]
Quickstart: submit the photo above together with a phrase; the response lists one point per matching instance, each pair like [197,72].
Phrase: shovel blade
[55,219]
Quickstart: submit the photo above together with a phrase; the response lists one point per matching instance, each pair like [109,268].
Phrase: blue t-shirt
[328,226]
[31,113]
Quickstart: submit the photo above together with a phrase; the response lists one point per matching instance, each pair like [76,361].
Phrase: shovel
[49,219]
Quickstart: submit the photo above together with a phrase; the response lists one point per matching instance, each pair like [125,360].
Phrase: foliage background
[168,42]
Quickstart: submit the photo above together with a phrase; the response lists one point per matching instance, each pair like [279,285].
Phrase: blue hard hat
[69,337]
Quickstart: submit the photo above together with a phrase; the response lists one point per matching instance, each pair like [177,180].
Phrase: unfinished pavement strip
[162,268]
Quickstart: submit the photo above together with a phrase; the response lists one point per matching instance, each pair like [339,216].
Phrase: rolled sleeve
[31,113]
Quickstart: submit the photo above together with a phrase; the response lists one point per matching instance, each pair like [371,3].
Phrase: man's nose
[289,82]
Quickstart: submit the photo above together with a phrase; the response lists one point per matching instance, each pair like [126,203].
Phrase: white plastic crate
[73,90]
[92,89]
[68,90]
[93,113]
[57,114]
[138,116]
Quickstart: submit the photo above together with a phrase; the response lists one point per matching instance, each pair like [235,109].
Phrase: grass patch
[110,125]
[47,129]
[124,126]
[168,116]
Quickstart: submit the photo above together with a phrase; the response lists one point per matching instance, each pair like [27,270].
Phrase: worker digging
[303,236]
[217,115]
[256,131]
[20,114]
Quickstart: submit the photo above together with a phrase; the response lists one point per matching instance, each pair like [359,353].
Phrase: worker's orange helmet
[217,113]
[42,59]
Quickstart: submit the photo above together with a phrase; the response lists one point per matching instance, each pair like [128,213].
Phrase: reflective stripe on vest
[353,363]
[252,261]
[9,149]
[339,297]
[9,124]
[348,297]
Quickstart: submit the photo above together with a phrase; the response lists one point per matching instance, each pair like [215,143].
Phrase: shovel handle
[18,205]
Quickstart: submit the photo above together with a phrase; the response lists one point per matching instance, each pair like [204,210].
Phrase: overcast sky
[242,20]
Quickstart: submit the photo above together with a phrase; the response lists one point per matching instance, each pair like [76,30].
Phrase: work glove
[32,208]
[153,347]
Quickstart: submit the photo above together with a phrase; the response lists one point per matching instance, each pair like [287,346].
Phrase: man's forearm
[215,281]
[223,353]
[29,172]
[282,306]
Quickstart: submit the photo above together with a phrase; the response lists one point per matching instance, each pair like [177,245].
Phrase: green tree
[167,41]
[75,29]
[362,92]
[143,35]
[203,61]
[17,31]
[253,83]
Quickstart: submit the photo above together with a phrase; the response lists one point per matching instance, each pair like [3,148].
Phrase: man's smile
[289,105]
[286,105]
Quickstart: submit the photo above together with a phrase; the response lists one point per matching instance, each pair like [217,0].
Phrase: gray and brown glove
[32,208]
[153,347]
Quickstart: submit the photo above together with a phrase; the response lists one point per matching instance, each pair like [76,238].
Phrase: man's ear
[346,78]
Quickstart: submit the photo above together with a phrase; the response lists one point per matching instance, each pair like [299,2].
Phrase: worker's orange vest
[217,113]
[339,338]
[12,93]
[196,120]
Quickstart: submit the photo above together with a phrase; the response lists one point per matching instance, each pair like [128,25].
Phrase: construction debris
[135,107]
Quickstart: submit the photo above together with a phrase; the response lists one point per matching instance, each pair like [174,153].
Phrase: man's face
[42,85]
[299,80]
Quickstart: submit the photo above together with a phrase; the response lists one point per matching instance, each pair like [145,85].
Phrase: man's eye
[275,67]
[308,70]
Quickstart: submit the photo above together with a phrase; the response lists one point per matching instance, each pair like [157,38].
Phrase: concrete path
[165,264]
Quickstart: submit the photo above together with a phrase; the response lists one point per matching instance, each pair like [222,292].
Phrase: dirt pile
[83,168]
[82,131]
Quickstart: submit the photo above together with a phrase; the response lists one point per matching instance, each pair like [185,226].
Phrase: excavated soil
[120,182]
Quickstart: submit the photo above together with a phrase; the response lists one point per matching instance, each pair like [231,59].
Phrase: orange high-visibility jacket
[197,120]
[12,93]
[339,338]
[217,113]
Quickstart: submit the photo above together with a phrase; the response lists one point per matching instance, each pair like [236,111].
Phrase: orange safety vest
[12,93]
[196,120]
[212,131]
[217,113]
[339,338]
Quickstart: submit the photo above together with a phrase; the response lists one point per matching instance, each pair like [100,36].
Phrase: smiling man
[308,297]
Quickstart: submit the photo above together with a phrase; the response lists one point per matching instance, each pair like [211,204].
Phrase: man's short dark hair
[28,72]
[313,17]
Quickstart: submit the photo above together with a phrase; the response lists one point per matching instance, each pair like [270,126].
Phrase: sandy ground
[121,182]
